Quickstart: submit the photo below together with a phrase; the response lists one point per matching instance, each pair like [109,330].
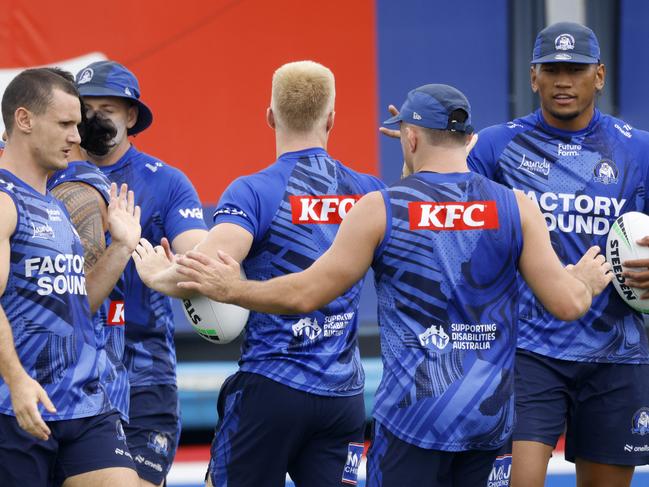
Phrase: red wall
[205,69]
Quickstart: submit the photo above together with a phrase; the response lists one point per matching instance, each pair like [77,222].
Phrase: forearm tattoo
[83,204]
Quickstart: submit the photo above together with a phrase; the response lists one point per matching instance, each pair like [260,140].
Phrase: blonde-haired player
[296,403]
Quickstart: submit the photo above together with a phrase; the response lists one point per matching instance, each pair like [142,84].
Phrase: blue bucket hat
[566,42]
[431,106]
[108,78]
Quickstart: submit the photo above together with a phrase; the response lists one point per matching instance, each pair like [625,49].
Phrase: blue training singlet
[445,275]
[47,306]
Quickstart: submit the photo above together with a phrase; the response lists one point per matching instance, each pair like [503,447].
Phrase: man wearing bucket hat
[171,209]
[584,169]
[445,245]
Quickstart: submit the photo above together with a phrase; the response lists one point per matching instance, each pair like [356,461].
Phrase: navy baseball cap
[430,106]
[108,78]
[566,42]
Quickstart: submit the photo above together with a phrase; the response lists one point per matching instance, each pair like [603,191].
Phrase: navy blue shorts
[267,429]
[75,446]
[153,430]
[604,408]
[392,462]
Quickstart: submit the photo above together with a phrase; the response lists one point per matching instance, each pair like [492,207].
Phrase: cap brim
[565,58]
[393,120]
[144,115]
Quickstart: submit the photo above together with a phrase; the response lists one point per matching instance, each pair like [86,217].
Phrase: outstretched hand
[123,217]
[593,270]
[215,278]
[150,261]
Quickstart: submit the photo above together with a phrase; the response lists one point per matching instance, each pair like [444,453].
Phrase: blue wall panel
[633,78]
[459,43]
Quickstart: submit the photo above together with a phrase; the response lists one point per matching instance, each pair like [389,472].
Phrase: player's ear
[330,120]
[23,120]
[411,137]
[600,77]
[270,118]
[132,116]
[535,87]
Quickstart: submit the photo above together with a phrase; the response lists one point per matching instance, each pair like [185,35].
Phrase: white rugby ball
[621,246]
[218,323]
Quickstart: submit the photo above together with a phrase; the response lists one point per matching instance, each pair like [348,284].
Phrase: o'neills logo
[434,215]
[116,313]
[321,209]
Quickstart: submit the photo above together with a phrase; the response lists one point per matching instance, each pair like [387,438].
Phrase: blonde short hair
[303,94]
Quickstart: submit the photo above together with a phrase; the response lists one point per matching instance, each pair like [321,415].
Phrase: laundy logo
[640,422]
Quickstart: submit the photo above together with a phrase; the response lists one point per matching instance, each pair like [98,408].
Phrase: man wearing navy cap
[583,169]
[170,209]
[445,245]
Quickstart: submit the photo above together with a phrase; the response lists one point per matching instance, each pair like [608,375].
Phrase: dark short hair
[32,89]
[61,72]
[448,137]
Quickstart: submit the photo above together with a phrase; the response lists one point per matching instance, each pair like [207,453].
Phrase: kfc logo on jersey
[116,314]
[438,215]
[321,209]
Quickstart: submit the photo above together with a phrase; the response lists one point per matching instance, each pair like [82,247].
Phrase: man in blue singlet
[583,169]
[445,245]
[170,209]
[48,343]
[296,404]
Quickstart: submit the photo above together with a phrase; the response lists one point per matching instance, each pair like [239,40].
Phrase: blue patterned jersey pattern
[293,209]
[445,275]
[46,303]
[582,181]
[109,318]
[170,206]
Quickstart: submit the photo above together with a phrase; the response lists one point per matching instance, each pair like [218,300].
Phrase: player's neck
[441,160]
[76,154]
[112,157]
[292,142]
[580,122]
[24,166]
